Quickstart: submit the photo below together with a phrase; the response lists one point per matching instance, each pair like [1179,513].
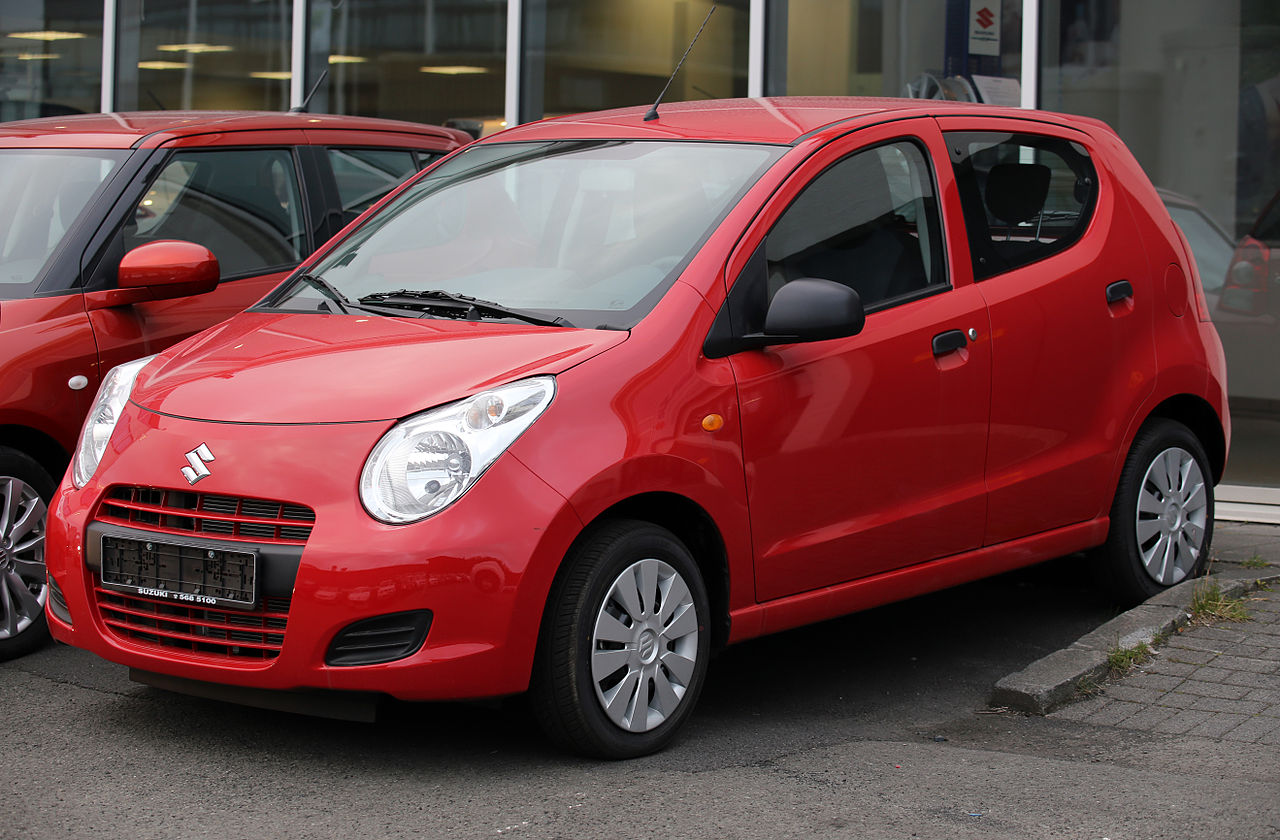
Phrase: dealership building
[1193,86]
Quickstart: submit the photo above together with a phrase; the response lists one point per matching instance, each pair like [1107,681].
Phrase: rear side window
[1025,196]
[366,175]
[869,221]
[244,205]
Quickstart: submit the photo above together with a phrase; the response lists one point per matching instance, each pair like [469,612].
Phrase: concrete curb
[1055,680]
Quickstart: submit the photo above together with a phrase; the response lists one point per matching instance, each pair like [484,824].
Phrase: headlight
[427,462]
[97,430]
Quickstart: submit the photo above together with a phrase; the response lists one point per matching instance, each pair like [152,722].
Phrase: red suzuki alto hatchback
[90,275]
[599,395]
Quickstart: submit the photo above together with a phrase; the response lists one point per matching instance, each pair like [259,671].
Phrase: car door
[1060,263]
[865,454]
[246,203]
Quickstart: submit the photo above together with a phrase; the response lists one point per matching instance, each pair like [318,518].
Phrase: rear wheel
[25,491]
[623,653]
[1162,515]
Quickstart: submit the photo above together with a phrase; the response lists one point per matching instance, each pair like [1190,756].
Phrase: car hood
[319,368]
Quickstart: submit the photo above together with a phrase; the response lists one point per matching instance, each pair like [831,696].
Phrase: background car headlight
[97,430]
[425,463]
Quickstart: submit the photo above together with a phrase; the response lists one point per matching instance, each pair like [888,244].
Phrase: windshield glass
[589,231]
[44,190]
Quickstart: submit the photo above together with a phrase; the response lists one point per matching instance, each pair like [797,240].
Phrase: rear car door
[246,203]
[865,454]
[1059,261]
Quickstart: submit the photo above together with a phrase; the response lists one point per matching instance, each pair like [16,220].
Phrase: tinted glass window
[869,222]
[366,175]
[1025,197]
[243,205]
[44,192]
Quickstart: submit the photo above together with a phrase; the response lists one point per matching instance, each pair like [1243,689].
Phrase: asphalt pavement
[876,725]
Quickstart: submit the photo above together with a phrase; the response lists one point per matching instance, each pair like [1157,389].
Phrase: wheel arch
[694,527]
[1197,415]
[46,451]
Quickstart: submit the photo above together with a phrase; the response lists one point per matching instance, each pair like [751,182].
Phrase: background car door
[246,204]
[1052,243]
[865,454]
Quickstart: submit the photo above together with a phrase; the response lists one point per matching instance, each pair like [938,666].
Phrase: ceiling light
[195,48]
[38,56]
[453,70]
[162,65]
[271,74]
[347,59]
[47,35]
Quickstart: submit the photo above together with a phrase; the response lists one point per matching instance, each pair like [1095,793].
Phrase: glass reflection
[203,54]
[50,58]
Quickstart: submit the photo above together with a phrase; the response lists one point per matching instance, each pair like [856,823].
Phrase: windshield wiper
[464,305]
[322,285]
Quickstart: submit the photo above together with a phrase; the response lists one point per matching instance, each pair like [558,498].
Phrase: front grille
[236,634]
[224,517]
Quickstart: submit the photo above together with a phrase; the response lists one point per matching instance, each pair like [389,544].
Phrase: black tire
[1166,541]
[568,700]
[25,491]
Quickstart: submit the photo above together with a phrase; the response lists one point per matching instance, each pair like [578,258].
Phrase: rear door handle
[948,342]
[1119,290]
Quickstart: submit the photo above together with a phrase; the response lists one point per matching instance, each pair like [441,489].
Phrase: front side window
[45,191]
[592,232]
[869,222]
[1025,197]
[244,205]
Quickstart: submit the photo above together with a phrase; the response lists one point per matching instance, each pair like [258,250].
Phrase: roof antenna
[302,109]
[652,113]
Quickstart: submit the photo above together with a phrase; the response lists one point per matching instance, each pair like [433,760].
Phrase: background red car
[86,284]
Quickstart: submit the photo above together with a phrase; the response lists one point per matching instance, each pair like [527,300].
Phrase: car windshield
[588,232]
[45,191]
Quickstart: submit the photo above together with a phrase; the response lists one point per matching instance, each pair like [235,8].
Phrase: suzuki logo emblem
[197,458]
[985,18]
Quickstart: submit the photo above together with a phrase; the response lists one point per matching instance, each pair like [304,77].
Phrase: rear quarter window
[1025,196]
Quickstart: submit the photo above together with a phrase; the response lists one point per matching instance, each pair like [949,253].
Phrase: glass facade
[1194,90]
[1192,86]
[439,61]
[203,54]
[50,58]
[584,55]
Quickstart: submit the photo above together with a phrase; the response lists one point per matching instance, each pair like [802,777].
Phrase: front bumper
[483,567]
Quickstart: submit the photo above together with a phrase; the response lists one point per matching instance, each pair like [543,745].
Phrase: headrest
[1016,191]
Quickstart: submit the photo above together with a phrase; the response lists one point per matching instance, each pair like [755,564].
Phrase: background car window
[1025,197]
[869,222]
[244,205]
[366,175]
[44,192]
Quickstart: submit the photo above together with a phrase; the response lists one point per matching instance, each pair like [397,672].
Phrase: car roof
[149,128]
[783,120]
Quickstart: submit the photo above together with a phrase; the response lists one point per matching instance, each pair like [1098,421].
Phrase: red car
[89,277]
[599,395]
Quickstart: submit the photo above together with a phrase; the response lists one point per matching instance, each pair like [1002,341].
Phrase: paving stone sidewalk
[1218,681]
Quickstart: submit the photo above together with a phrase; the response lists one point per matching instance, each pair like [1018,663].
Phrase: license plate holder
[183,573]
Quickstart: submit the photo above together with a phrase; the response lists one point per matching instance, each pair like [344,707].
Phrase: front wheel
[25,491]
[624,647]
[1162,515]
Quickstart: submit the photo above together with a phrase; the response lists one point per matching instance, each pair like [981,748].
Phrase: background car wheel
[623,651]
[1162,515]
[25,491]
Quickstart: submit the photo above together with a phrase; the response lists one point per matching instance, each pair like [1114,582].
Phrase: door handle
[948,342]
[1119,290]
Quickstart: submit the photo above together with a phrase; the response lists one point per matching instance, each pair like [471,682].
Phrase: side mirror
[167,268]
[811,309]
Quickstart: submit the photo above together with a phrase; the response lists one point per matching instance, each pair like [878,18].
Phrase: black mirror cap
[812,309]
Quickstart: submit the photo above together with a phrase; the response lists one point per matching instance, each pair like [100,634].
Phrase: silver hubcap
[1173,509]
[23,590]
[644,646]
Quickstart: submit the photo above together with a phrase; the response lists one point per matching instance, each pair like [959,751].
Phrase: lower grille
[234,634]
[384,638]
[58,602]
